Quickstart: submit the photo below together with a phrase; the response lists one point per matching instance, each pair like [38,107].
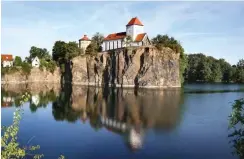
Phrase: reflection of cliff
[147,108]
[128,112]
[33,88]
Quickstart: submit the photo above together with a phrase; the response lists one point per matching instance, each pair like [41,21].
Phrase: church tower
[134,27]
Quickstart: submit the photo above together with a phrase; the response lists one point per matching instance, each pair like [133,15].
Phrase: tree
[63,52]
[72,50]
[39,52]
[216,74]
[97,39]
[240,64]
[17,61]
[91,48]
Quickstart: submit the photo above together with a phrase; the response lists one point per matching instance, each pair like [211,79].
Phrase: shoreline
[88,84]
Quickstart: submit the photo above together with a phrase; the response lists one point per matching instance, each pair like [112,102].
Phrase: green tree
[97,39]
[63,52]
[216,74]
[59,51]
[240,64]
[17,61]
[91,48]
[39,52]
[72,50]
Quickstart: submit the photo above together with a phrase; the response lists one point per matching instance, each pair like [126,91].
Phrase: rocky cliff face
[36,75]
[140,67]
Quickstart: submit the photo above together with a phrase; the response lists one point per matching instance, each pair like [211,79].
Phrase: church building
[134,30]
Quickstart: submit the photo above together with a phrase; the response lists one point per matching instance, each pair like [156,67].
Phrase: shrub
[49,65]
[9,145]
[26,68]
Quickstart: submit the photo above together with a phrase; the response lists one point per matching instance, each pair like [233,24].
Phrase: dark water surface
[89,123]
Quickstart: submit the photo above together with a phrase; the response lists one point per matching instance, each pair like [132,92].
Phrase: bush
[8,70]
[49,65]
[236,123]
[9,145]
[26,68]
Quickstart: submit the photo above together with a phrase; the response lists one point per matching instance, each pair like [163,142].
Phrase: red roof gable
[134,21]
[116,36]
[6,57]
[85,38]
[140,37]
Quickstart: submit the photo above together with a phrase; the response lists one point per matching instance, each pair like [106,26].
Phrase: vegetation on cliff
[95,45]
[161,41]
[24,68]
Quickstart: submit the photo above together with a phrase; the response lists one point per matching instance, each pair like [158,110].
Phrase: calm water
[89,123]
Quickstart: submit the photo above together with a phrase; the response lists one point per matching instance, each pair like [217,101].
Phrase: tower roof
[134,21]
[85,38]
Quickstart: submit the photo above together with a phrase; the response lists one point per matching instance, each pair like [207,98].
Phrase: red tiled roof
[140,37]
[85,38]
[6,104]
[116,36]
[134,21]
[6,57]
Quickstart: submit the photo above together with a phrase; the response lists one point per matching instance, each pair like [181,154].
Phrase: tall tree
[17,61]
[38,52]
[97,39]
[63,52]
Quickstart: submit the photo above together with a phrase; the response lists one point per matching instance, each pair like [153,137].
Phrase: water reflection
[128,112]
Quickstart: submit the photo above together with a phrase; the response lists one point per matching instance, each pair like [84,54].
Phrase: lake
[90,123]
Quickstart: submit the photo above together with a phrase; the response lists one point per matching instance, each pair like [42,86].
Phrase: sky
[213,28]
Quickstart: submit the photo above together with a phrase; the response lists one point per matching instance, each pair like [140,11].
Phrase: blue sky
[213,28]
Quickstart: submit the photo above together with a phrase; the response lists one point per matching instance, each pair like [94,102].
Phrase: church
[134,29]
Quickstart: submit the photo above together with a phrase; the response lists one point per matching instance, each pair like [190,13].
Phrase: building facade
[7,60]
[84,42]
[35,62]
[133,36]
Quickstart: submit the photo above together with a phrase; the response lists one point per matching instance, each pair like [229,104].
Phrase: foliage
[202,68]
[9,145]
[97,40]
[161,41]
[128,40]
[26,68]
[17,61]
[63,52]
[165,41]
[41,53]
[91,48]
[8,70]
[236,123]
[49,65]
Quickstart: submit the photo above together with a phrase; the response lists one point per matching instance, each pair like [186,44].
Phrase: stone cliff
[36,75]
[131,67]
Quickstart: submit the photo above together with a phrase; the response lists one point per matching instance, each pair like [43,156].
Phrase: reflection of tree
[236,123]
[62,109]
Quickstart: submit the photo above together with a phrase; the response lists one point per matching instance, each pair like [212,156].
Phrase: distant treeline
[202,68]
